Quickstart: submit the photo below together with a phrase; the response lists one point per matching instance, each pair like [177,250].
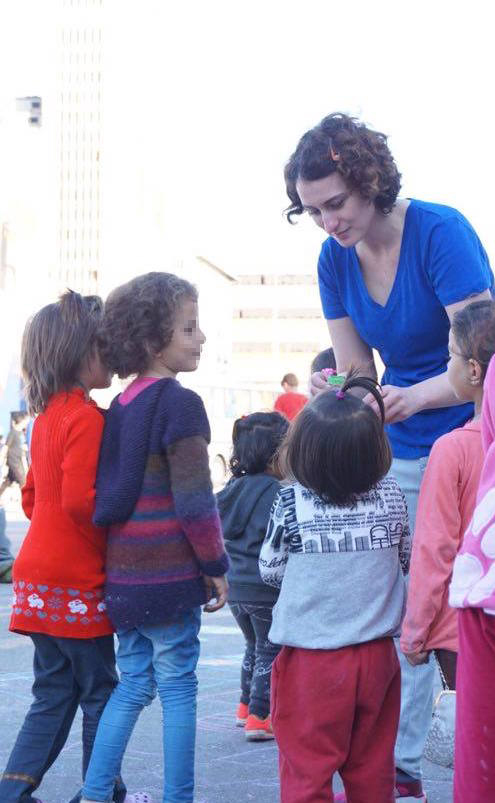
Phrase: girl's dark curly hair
[341,144]
[256,440]
[139,320]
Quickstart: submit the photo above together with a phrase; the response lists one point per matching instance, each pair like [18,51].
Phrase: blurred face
[183,353]
[461,371]
[341,212]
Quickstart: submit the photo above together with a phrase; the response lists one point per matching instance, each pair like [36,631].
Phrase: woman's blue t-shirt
[441,261]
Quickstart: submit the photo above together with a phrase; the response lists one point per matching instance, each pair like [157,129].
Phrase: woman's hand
[317,383]
[399,403]
[417,658]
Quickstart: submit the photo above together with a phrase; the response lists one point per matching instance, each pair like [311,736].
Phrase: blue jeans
[151,658]
[417,681]
[68,673]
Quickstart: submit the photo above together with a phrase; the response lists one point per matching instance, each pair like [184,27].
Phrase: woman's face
[342,213]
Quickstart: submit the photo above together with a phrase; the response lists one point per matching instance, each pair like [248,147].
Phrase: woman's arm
[350,351]
[401,403]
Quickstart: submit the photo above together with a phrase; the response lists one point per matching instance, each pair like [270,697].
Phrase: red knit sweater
[58,575]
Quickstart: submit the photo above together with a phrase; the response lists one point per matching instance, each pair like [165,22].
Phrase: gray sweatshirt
[340,569]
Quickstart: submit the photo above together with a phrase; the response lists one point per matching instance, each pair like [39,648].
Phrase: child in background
[244,506]
[165,555]
[338,545]
[59,572]
[472,591]
[290,402]
[447,498]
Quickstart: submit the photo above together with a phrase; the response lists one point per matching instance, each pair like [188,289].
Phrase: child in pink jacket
[472,591]
[447,498]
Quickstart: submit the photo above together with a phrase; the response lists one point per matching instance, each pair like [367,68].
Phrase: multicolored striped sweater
[153,490]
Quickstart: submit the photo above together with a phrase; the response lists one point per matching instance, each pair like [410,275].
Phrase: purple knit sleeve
[195,503]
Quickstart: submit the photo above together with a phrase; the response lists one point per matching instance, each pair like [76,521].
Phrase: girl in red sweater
[58,575]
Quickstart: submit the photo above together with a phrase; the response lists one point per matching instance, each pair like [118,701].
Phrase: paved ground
[228,769]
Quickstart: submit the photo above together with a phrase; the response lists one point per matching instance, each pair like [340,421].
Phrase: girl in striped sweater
[165,555]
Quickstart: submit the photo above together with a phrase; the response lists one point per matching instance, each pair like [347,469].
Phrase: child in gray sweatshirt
[337,546]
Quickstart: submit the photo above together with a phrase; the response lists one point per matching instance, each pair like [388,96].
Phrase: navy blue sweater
[244,506]
[153,490]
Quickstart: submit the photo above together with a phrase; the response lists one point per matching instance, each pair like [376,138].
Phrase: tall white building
[79,117]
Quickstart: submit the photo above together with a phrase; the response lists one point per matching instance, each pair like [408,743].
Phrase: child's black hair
[256,439]
[474,330]
[337,446]
[324,359]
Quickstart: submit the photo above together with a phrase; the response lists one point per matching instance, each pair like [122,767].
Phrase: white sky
[206,100]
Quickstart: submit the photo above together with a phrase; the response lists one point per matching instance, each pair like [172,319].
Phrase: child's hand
[216,587]
[417,658]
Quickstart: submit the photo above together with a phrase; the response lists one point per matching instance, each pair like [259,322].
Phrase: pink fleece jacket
[446,503]
[473,580]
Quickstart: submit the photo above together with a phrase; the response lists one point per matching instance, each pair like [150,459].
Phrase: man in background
[16,451]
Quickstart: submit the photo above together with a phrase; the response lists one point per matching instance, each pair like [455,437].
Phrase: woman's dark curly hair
[139,320]
[341,144]
[256,440]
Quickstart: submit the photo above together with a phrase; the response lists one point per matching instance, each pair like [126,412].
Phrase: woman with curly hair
[392,274]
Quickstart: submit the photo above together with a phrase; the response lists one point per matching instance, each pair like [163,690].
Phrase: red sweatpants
[336,710]
[474,765]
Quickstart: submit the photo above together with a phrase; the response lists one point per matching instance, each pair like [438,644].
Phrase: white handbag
[439,746]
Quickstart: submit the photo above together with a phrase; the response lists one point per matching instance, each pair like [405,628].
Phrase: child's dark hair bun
[256,441]
[337,446]
[354,380]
